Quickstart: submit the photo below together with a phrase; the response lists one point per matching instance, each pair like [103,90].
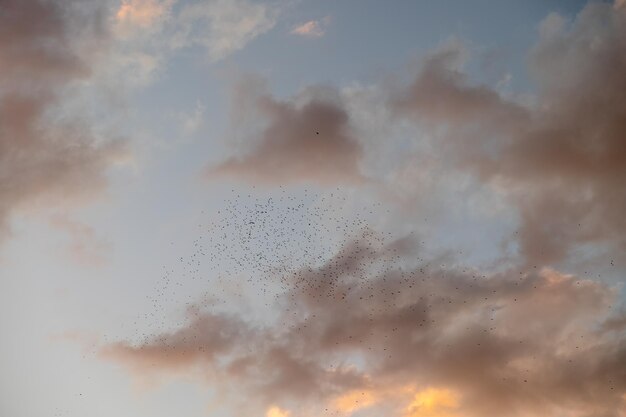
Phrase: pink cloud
[306,139]
[312,28]
[43,157]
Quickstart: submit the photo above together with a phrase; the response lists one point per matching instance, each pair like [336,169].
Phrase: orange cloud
[275,411]
[355,400]
[433,402]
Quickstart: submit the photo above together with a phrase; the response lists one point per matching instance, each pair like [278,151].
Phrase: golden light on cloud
[275,411]
[433,402]
[355,400]
[429,402]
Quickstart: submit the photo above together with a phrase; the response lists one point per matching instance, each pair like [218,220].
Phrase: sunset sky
[309,208]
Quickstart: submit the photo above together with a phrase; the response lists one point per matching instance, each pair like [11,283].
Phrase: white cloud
[147,32]
[223,26]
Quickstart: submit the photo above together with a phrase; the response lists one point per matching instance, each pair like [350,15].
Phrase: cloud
[147,34]
[45,155]
[376,330]
[191,122]
[312,28]
[84,246]
[142,13]
[223,26]
[307,138]
[560,159]
[433,402]
[276,412]
[379,328]
[358,399]
[554,160]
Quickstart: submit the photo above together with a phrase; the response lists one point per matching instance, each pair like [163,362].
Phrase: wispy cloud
[142,14]
[223,26]
[84,246]
[147,34]
[312,28]
[191,122]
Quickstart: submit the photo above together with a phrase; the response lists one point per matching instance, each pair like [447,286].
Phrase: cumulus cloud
[556,158]
[560,159]
[307,138]
[45,47]
[378,330]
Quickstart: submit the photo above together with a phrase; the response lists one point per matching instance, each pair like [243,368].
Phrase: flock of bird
[255,255]
[288,259]
[246,248]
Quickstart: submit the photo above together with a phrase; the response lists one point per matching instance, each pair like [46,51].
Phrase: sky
[299,208]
